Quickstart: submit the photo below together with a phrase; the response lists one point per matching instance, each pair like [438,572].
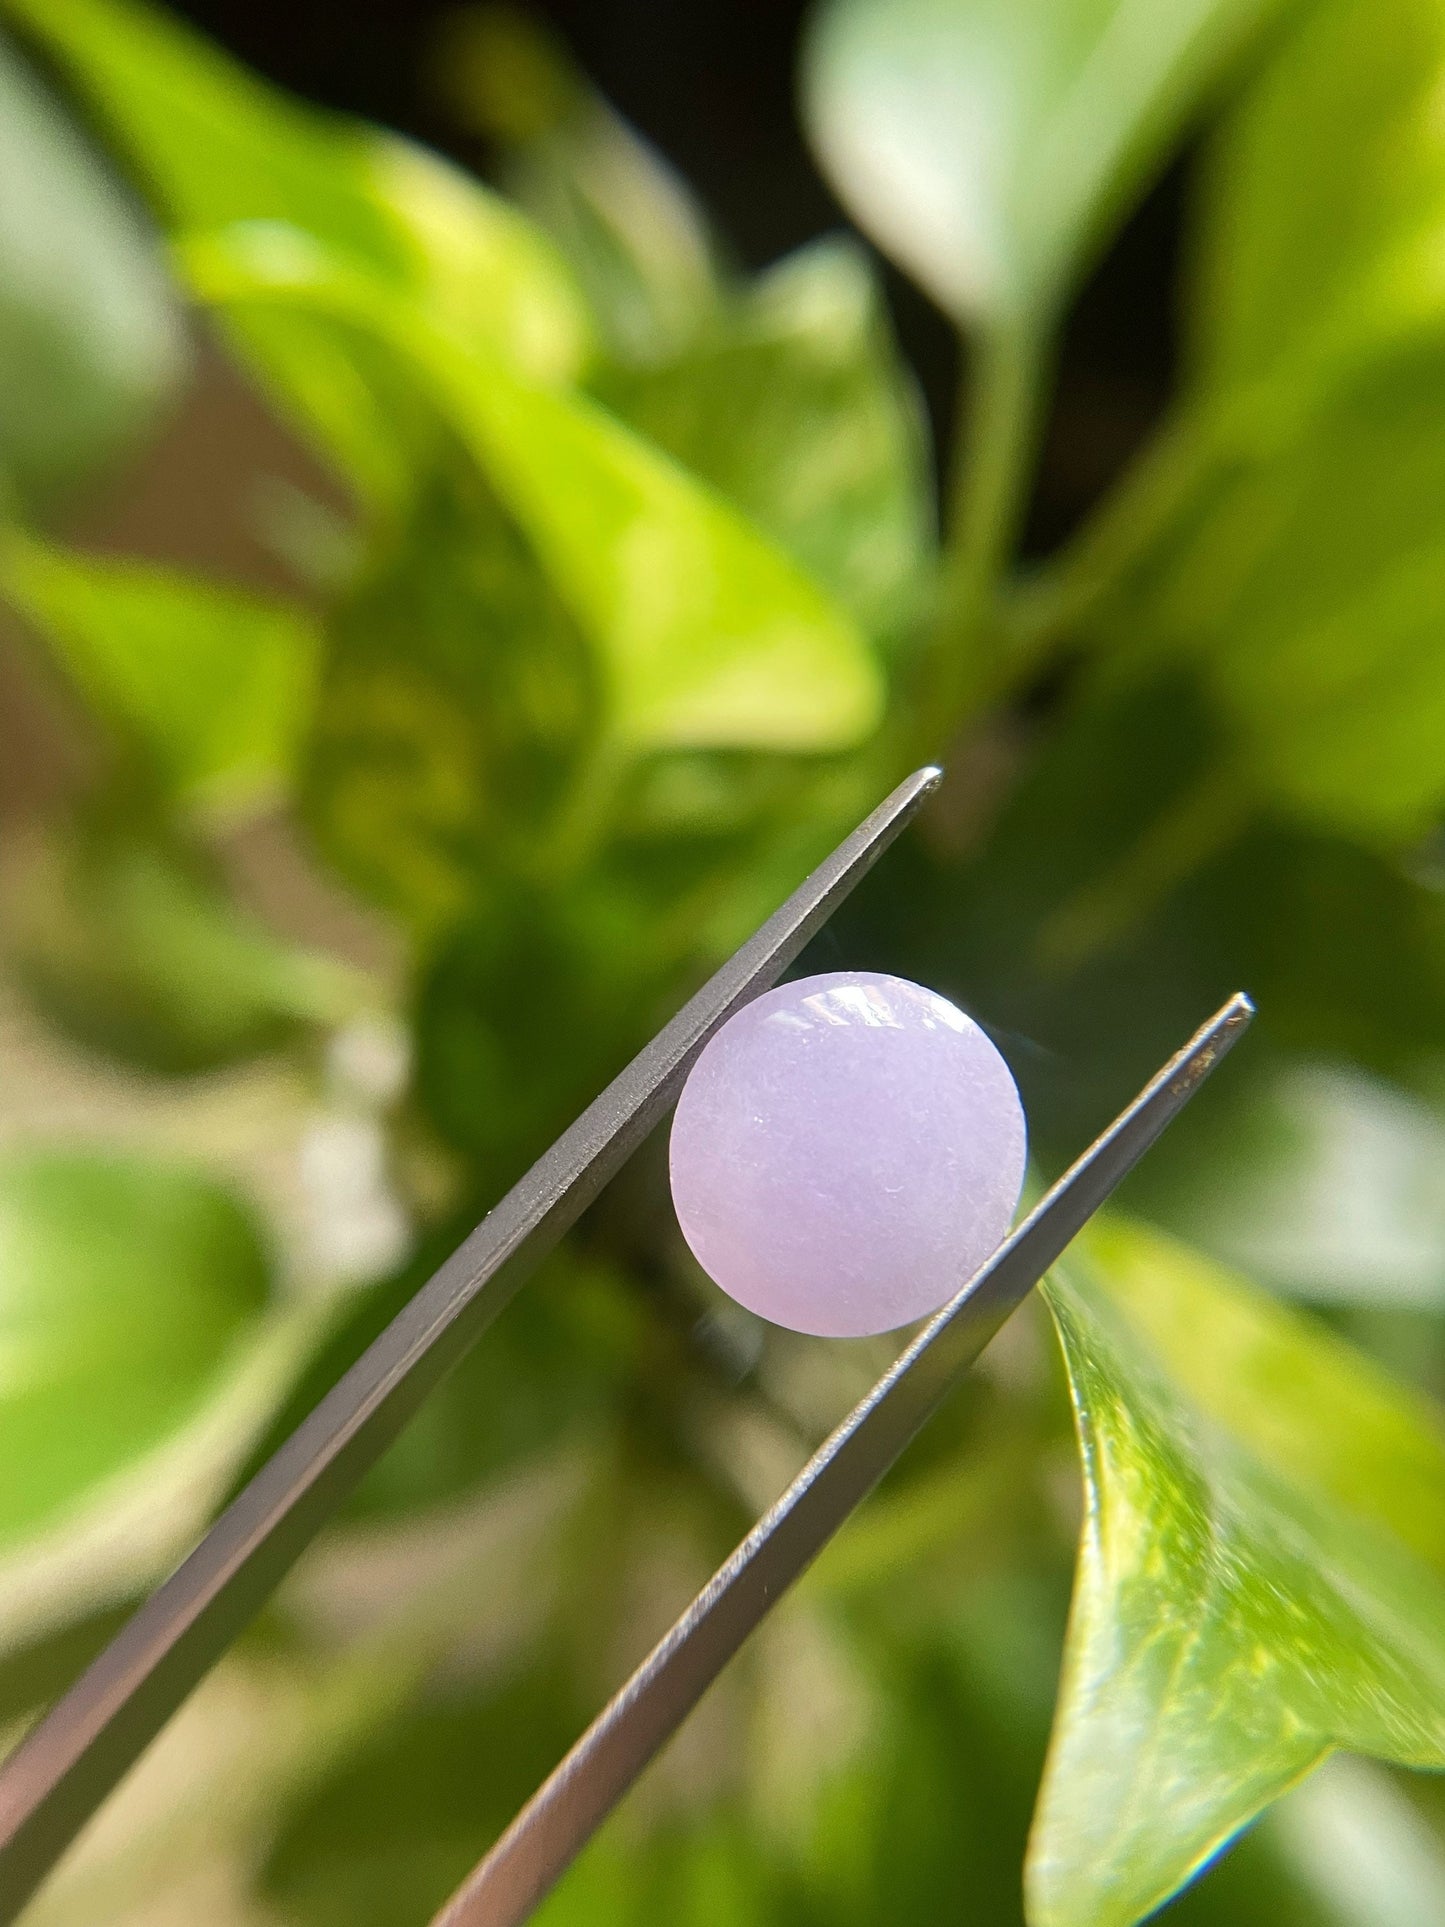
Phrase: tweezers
[64,1768]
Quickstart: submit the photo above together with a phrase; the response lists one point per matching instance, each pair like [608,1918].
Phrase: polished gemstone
[846,1153]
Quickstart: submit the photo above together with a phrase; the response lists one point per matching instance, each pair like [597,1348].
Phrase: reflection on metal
[564,1812]
[58,1776]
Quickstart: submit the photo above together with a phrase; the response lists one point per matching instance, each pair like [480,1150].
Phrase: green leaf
[398,1821]
[219,145]
[1342,946]
[1325,197]
[215,683]
[793,405]
[478,265]
[142,1350]
[705,634]
[90,339]
[1259,1580]
[1318,1180]
[124,1285]
[708,635]
[1315,257]
[989,145]
[551,1374]
[1355,1838]
[636,238]
[534,1002]
[129,944]
[471,263]
[455,697]
[1310,585]
[1306,561]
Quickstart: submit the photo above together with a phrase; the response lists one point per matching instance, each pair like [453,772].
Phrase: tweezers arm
[572,1802]
[61,1772]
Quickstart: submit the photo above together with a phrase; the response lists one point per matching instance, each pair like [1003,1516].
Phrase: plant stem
[986,499]
[585,817]
[1065,596]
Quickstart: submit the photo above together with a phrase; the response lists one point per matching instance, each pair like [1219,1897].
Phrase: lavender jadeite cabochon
[847,1151]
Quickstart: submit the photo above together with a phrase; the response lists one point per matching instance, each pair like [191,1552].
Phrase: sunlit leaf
[220,145]
[709,636]
[217,144]
[130,945]
[1315,256]
[214,682]
[90,339]
[988,145]
[216,141]
[794,406]
[456,692]
[1353,1837]
[123,1286]
[705,633]
[1325,219]
[1259,1580]
[478,264]
[638,241]
[123,1534]
[1325,199]
[1316,1179]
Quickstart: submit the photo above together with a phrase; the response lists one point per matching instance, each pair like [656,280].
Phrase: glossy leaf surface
[705,633]
[1261,1575]
[792,404]
[988,144]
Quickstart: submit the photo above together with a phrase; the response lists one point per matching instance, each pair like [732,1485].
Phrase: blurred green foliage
[90,333]
[123,1288]
[643,595]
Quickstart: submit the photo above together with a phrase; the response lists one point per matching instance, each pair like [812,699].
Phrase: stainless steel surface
[62,1771]
[565,1811]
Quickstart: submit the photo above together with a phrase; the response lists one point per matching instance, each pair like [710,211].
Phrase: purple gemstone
[847,1151]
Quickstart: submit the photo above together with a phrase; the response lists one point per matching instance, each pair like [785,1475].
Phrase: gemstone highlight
[846,1153]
